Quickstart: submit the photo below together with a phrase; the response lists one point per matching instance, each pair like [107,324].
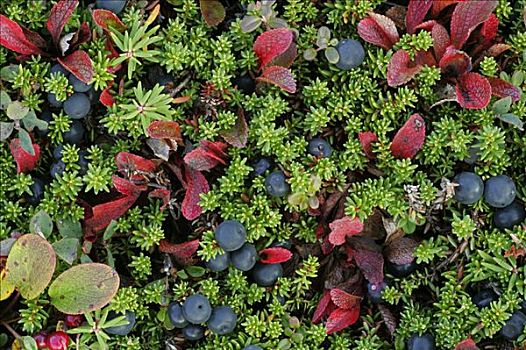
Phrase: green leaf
[84,288]
[512,119]
[310,54]
[5,100]
[6,129]
[69,228]
[3,339]
[31,121]
[28,343]
[30,265]
[16,110]
[41,223]
[332,55]
[250,23]
[195,271]
[502,106]
[324,35]
[26,142]
[517,78]
[110,230]
[67,249]
[8,73]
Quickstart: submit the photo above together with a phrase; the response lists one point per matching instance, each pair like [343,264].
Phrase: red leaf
[467,344]
[237,136]
[34,37]
[439,5]
[473,91]
[79,64]
[287,58]
[182,250]
[161,129]
[440,37]
[341,319]
[195,185]
[106,98]
[371,263]
[496,50]
[454,62]
[126,187]
[14,39]
[206,156]
[322,306]
[279,76]
[25,162]
[163,194]
[342,228]
[271,44]
[468,15]
[275,255]
[378,30]
[416,12]
[213,12]
[501,88]
[343,299]
[366,139]
[104,213]
[130,163]
[410,138]
[81,36]
[489,28]
[401,69]
[107,19]
[59,16]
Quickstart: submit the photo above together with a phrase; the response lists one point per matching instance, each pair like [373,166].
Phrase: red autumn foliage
[79,64]
[473,91]
[401,68]
[182,252]
[344,300]
[59,16]
[15,39]
[416,12]
[371,263]
[207,156]
[320,311]
[279,76]
[25,162]
[163,194]
[106,19]
[274,255]
[501,88]
[378,30]
[162,129]
[342,318]
[466,17]
[195,185]
[343,228]
[132,165]
[367,138]
[127,187]
[106,98]
[410,138]
[271,44]
[467,344]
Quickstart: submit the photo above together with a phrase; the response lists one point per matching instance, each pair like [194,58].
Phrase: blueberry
[197,309]
[244,258]
[77,106]
[57,152]
[115,6]
[223,320]
[57,68]
[121,330]
[193,332]
[245,84]
[219,263]
[421,342]
[230,235]
[57,168]
[252,347]
[83,162]
[351,54]
[260,166]
[76,132]
[52,99]
[265,275]
[374,291]
[514,326]
[499,191]
[276,185]
[78,85]
[509,216]
[401,270]
[320,148]
[37,191]
[175,314]
[470,187]
[483,298]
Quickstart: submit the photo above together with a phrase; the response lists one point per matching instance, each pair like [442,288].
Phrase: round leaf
[30,265]
[5,100]
[324,35]
[84,288]
[41,223]
[332,55]
[16,110]
[250,23]
[309,54]
[6,129]
[502,106]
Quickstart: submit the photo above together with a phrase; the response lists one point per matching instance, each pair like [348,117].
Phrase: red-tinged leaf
[344,300]
[489,28]
[79,64]
[416,12]
[454,62]
[326,246]
[34,37]
[106,98]
[206,156]
[128,163]
[501,88]
[237,136]
[344,227]
[274,255]
[441,40]
[126,187]
[213,12]
[287,58]
[467,344]
[401,69]
[108,45]
[340,319]
[162,129]
[81,36]
[473,91]
[439,5]
[163,194]
[59,16]
[271,44]
[25,162]
[378,30]
[367,138]
[183,250]
[279,76]
[425,58]
[371,263]
[107,19]
[14,39]
[104,213]
[322,306]
[195,185]
[410,138]
[182,99]
[401,251]
[467,16]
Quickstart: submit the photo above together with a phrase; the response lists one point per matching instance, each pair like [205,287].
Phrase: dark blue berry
[193,332]
[77,106]
[57,68]
[374,291]
[83,162]
[252,347]
[115,6]
[75,134]
[509,216]
[421,342]
[483,298]
[514,326]
[121,330]
[276,184]
[175,314]
[401,270]
[219,263]
[351,54]
[265,275]
[57,152]
[245,84]
[499,191]
[52,99]
[57,168]
[470,187]
[260,166]
[37,191]
[223,320]
[78,85]
[320,148]
[230,235]
[244,258]
[197,309]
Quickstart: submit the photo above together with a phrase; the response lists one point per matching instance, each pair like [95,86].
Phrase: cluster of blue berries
[115,6]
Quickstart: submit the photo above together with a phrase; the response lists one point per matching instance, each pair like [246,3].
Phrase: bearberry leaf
[206,156]
[107,20]
[163,129]
[416,12]
[512,119]
[441,40]
[400,251]
[367,138]
[286,58]
[106,98]
[163,194]
[322,306]
[279,76]
[473,91]
[467,344]
[438,6]
[271,44]
[130,163]
[410,138]
[67,249]
[182,252]
[378,30]
[30,265]
[25,162]
[275,255]
[466,17]
[371,263]
[13,38]
[342,228]
[237,136]
[195,185]
[341,318]
[213,12]
[502,88]
[489,28]
[84,288]
[454,62]
[401,69]
[41,224]
[59,16]
[79,64]
[103,214]
[344,300]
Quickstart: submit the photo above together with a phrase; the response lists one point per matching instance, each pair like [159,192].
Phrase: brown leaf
[389,319]
[401,251]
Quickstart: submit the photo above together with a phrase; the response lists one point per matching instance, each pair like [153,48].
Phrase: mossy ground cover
[295,162]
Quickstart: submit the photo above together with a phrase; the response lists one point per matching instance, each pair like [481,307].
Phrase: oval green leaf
[84,288]
[41,223]
[332,55]
[16,110]
[30,265]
